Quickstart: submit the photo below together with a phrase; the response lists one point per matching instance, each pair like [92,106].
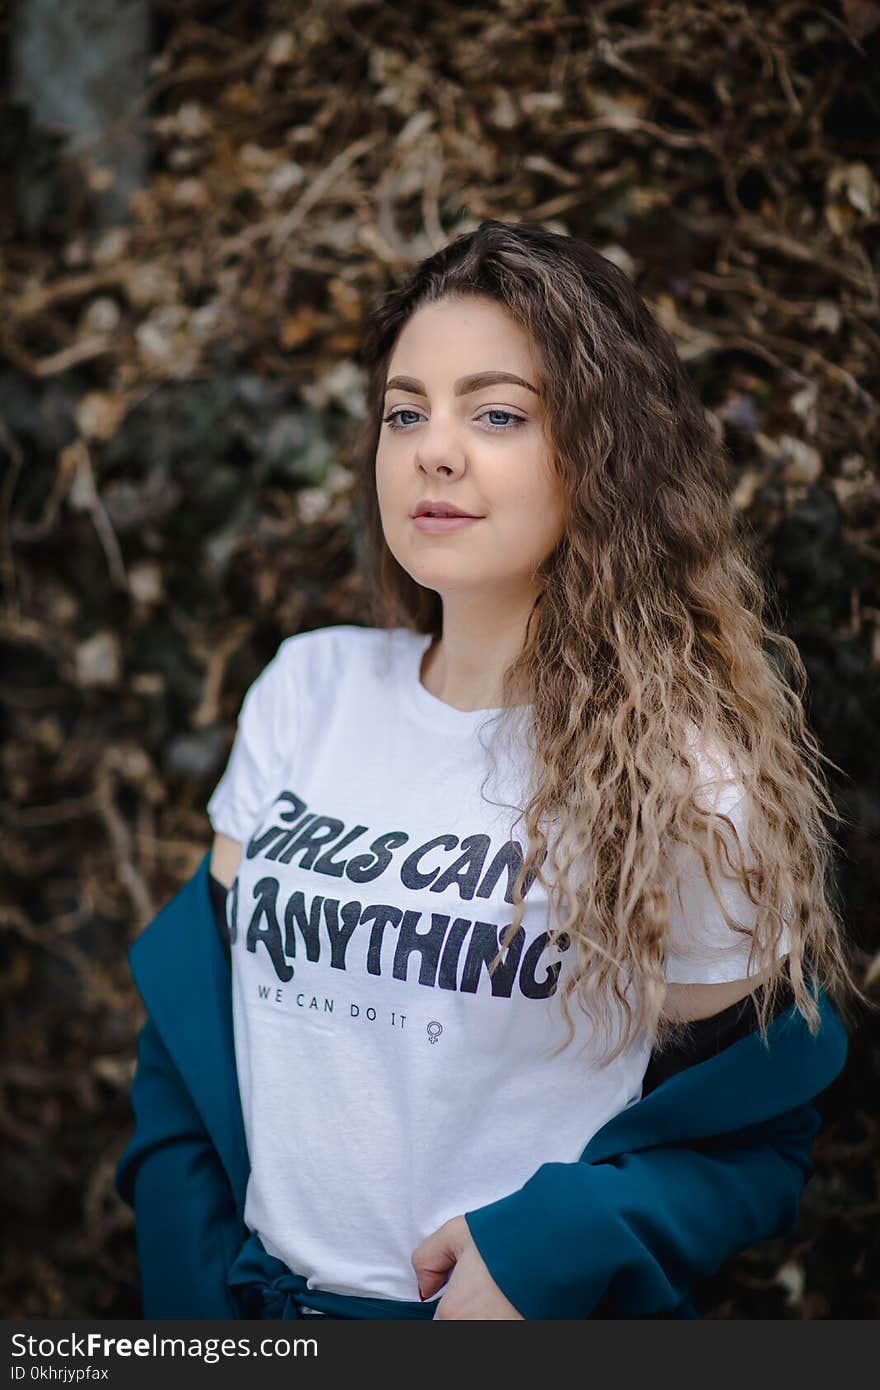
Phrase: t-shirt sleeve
[702,948]
[263,744]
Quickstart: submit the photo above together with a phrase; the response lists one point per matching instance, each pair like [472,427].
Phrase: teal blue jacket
[709,1163]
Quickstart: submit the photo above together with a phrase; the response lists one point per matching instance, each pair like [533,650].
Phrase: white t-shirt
[388,1082]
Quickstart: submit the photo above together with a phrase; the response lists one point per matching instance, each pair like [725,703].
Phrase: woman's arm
[692,1002]
[225,858]
[718,1014]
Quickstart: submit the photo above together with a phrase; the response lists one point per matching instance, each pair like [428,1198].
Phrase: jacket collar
[184,979]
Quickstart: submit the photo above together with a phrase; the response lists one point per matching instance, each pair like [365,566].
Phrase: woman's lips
[440,524]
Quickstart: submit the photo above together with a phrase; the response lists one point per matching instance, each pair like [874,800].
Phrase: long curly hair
[645,650]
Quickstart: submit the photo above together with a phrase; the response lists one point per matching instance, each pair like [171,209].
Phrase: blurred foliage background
[199,202]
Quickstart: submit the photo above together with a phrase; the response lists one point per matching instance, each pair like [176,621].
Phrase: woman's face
[478,445]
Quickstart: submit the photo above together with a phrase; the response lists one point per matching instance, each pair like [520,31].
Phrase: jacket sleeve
[187,1227]
[626,1237]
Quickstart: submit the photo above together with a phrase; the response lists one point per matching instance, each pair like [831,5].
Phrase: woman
[464,1052]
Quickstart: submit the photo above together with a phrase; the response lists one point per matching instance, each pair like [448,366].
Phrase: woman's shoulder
[336,642]
[720,785]
[326,654]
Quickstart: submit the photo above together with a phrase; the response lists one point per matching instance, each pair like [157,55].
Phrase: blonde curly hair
[646,648]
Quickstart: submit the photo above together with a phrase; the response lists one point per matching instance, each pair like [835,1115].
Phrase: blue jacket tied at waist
[712,1161]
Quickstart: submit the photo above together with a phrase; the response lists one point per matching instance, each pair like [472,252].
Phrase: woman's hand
[471,1292]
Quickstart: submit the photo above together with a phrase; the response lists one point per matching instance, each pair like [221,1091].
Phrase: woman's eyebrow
[463,387]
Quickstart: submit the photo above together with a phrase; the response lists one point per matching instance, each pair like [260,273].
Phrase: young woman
[529,955]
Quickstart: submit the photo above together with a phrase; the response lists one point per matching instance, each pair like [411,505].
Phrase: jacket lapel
[184,979]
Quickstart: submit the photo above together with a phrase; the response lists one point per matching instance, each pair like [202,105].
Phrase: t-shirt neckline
[430,707]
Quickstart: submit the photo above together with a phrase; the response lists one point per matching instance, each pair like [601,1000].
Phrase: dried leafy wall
[174,397]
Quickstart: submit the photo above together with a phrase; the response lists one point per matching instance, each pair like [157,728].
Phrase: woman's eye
[516,419]
[392,421]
